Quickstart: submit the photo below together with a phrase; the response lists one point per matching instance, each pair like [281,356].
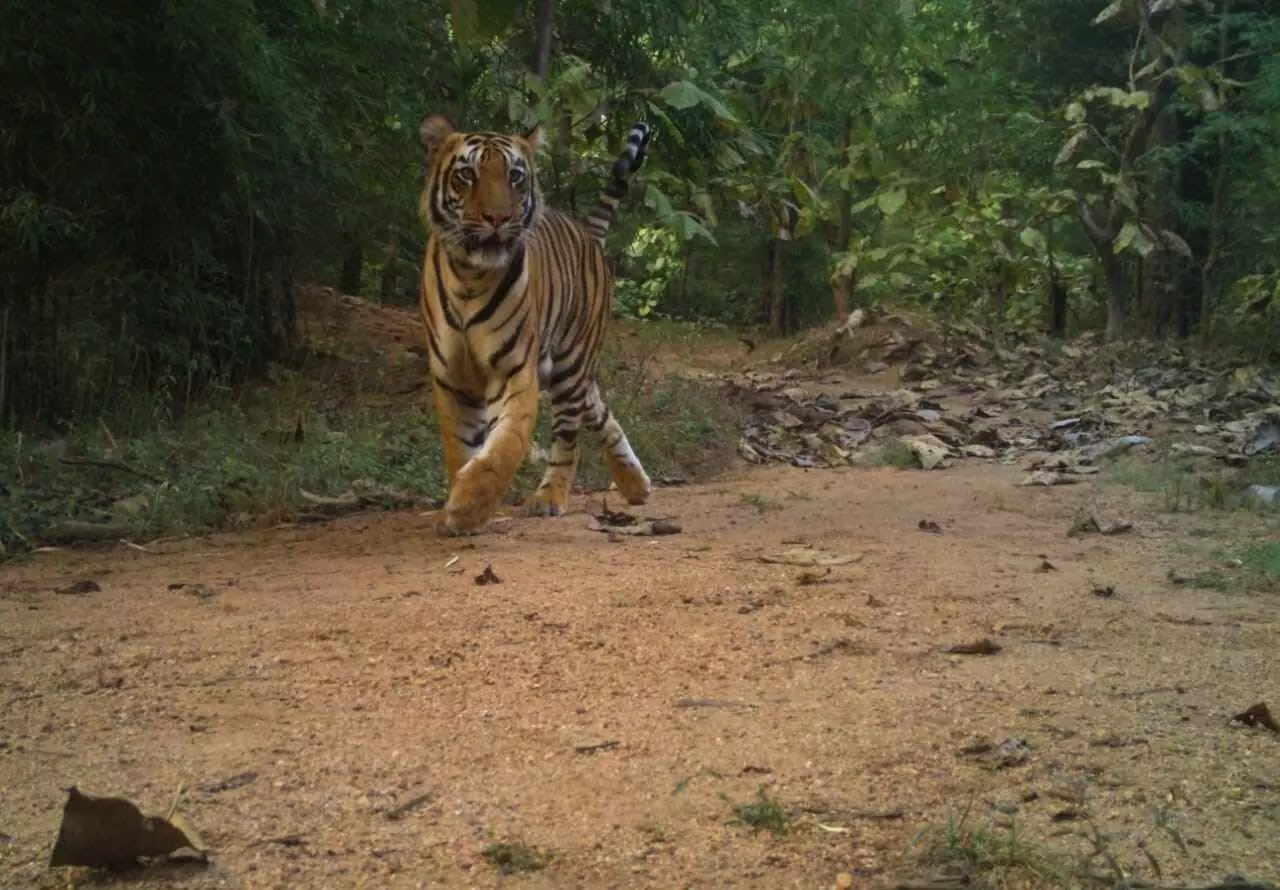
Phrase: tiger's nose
[496,219]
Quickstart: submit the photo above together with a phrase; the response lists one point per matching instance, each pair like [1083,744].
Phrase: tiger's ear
[433,131]
[535,138]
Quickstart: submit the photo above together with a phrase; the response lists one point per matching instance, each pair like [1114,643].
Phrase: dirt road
[349,708]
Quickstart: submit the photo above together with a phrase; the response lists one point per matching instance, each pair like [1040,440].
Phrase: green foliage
[998,854]
[763,814]
[238,461]
[179,168]
[217,469]
[513,858]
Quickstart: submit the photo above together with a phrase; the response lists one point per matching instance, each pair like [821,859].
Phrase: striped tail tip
[600,217]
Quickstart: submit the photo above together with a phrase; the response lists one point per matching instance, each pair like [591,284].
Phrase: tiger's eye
[517,176]
[463,176]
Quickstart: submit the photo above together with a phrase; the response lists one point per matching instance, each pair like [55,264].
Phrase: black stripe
[510,343]
[461,397]
[442,294]
[434,346]
[514,270]
[476,441]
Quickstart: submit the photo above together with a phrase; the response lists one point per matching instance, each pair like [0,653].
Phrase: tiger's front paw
[473,499]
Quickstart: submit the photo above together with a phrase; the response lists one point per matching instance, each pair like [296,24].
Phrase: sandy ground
[611,701]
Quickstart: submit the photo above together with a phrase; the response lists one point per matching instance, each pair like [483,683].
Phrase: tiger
[515,296]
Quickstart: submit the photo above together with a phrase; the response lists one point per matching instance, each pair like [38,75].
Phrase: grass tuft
[1001,855]
[763,814]
[512,858]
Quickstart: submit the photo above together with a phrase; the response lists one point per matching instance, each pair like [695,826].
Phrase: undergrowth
[1185,485]
[325,427]
[1003,855]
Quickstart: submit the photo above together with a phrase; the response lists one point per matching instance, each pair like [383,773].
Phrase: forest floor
[837,673]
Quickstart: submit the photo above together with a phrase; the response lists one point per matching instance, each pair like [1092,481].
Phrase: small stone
[844,881]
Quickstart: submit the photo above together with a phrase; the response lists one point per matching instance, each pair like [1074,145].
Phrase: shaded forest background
[171,172]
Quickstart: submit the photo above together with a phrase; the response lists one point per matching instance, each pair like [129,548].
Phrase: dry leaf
[804,556]
[112,833]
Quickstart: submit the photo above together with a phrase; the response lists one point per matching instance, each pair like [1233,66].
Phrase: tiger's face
[481,192]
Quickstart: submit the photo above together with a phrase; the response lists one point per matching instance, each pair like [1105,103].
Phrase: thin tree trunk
[777,315]
[352,265]
[844,230]
[1217,208]
[390,272]
[544,32]
[1057,291]
[1117,288]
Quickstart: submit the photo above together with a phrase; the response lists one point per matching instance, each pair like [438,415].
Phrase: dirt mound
[324,314]
[870,339]
[359,349]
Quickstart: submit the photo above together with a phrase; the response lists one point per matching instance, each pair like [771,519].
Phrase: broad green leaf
[727,157]
[1129,232]
[1140,99]
[680,94]
[1143,243]
[1069,147]
[688,227]
[1089,164]
[891,202]
[1113,9]
[865,204]
[669,128]
[657,201]
[705,206]
[1034,239]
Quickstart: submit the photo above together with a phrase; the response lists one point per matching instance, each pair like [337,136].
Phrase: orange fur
[515,298]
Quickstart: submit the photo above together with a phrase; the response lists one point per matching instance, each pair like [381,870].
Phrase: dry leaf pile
[1060,410]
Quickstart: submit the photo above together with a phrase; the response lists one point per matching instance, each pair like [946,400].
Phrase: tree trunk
[844,229]
[390,272]
[840,297]
[1057,302]
[777,316]
[1217,206]
[352,265]
[1158,295]
[1117,290]
[544,32]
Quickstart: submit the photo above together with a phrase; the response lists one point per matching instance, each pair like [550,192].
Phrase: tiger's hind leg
[628,473]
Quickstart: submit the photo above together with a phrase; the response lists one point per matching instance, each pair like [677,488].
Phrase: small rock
[1263,494]
[844,881]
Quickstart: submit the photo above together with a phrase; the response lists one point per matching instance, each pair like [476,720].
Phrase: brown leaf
[983,646]
[804,556]
[112,833]
[1258,715]
[613,518]
[488,576]
[1048,478]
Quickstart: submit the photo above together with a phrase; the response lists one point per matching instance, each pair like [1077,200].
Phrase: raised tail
[601,216]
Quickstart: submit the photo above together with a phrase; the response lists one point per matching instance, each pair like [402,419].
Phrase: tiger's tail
[601,216]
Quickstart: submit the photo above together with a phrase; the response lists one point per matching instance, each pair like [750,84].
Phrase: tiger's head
[481,193]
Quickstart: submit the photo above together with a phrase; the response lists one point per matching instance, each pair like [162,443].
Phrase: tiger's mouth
[490,241]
